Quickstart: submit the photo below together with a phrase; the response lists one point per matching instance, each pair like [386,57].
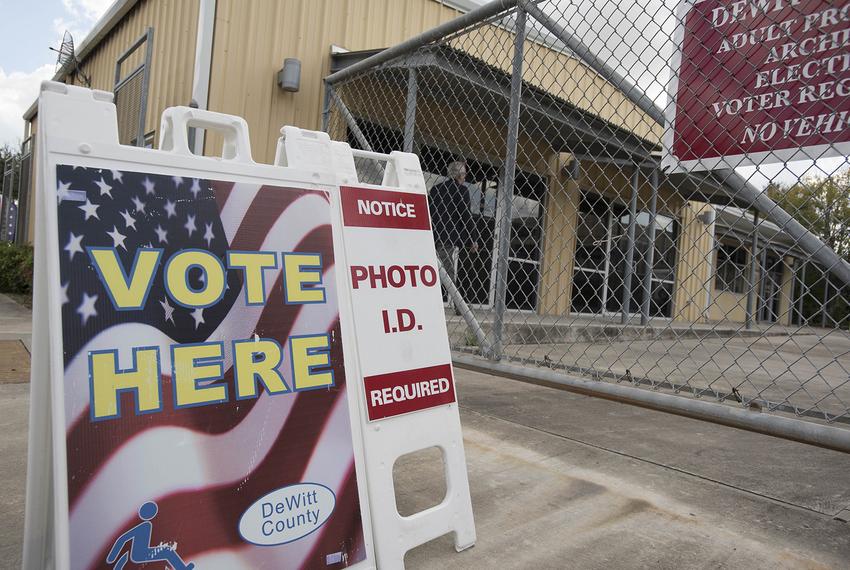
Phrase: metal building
[572,249]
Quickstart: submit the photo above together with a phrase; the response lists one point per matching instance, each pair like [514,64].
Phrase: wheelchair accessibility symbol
[141,551]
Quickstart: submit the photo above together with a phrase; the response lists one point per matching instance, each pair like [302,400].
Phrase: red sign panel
[407,391]
[370,208]
[759,81]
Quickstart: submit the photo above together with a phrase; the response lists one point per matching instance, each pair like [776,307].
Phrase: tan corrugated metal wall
[175,25]
[565,77]
[728,306]
[253,37]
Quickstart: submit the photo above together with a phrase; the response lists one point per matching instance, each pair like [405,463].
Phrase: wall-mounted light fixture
[289,78]
[707,217]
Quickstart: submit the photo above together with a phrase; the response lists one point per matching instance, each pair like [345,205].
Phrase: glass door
[602,243]
[593,229]
[615,282]
[526,242]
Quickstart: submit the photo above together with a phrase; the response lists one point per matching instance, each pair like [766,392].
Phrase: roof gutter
[113,15]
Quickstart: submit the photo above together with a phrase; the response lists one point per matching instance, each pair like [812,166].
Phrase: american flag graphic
[203,466]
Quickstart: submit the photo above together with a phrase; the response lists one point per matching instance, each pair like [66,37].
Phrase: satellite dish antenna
[67,58]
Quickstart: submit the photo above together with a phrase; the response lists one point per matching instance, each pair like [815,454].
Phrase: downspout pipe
[203,65]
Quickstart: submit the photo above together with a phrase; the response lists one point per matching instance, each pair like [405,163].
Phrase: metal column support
[410,110]
[761,305]
[804,289]
[630,249]
[751,280]
[650,253]
[326,106]
[460,304]
[350,121]
[506,196]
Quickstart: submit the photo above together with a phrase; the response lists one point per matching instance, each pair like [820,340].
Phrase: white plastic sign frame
[78,127]
[405,387]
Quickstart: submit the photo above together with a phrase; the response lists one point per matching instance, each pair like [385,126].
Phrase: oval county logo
[287,514]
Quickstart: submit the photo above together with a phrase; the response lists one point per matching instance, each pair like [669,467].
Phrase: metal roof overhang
[443,72]
[737,225]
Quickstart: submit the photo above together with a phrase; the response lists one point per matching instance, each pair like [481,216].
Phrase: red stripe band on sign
[397,393]
[370,208]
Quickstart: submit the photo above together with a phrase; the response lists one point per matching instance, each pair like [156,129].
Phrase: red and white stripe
[204,466]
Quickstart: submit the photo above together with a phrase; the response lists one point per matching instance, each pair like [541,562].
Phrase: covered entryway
[601,256]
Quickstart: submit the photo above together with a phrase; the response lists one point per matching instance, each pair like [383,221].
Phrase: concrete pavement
[561,480]
[808,371]
[566,481]
[15,321]
[15,344]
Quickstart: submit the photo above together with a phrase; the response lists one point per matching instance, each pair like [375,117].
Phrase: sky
[633,36]
[28,28]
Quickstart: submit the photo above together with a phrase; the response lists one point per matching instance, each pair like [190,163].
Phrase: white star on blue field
[126,211]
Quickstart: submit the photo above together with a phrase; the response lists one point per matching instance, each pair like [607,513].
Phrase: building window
[132,76]
[148,141]
[731,267]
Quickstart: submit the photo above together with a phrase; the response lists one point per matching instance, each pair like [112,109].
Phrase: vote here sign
[397,303]
[204,387]
[758,81]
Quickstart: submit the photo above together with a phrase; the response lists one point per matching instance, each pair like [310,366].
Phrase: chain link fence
[567,249]
[9,177]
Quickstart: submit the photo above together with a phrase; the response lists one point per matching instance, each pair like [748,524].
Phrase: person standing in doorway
[451,219]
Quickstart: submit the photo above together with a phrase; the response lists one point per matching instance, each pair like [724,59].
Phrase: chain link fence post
[649,259]
[630,248]
[504,208]
[410,110]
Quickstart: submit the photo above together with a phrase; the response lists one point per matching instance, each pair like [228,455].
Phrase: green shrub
[15,269]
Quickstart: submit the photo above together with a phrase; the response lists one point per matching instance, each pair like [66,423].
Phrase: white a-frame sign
[204,392]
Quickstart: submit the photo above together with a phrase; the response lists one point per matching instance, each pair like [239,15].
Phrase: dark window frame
[730,268]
